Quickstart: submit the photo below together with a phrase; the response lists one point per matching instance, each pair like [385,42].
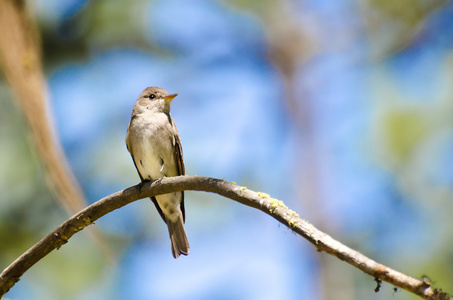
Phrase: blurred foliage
[21,181]
[407,11]
[108,25]
[403,129]
[260,8]
[28,211]
[392,25]
[95,26]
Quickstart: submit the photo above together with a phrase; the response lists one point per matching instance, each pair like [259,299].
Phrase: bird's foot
[158,180]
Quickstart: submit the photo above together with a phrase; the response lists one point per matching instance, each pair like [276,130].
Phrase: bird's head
[154,99]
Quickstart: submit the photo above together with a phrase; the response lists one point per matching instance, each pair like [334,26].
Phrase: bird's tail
[179,242]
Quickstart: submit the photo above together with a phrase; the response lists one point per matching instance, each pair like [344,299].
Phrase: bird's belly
[154,164]
[155,160]
[149,165]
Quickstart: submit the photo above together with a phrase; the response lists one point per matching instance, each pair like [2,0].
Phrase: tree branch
[261,201]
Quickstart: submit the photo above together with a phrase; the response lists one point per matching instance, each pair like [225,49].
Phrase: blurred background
[342,109]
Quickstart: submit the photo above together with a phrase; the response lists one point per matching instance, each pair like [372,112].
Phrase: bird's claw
[158,180]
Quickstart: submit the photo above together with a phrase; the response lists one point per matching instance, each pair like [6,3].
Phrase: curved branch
[261,201]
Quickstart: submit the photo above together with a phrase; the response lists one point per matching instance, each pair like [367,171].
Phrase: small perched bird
[153,142]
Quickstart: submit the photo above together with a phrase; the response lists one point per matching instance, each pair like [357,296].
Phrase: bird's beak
[170,97]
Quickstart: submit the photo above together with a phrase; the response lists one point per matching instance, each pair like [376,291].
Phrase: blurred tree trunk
[20,59]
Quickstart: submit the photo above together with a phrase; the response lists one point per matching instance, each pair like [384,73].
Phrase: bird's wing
[179,161]
[129,148]
[178,156]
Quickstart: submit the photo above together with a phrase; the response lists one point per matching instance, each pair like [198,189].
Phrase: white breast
[154,156]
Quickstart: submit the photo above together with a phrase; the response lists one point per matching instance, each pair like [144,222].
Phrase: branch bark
[261,201]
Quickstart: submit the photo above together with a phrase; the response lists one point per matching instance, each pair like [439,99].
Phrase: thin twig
[261,201]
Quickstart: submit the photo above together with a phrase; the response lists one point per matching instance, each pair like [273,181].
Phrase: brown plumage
[153,141]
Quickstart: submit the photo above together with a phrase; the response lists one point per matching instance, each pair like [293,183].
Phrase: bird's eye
[152,96]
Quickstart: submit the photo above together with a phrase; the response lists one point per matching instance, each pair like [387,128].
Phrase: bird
[153,141]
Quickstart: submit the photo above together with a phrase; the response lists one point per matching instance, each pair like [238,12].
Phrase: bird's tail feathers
[179,242]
